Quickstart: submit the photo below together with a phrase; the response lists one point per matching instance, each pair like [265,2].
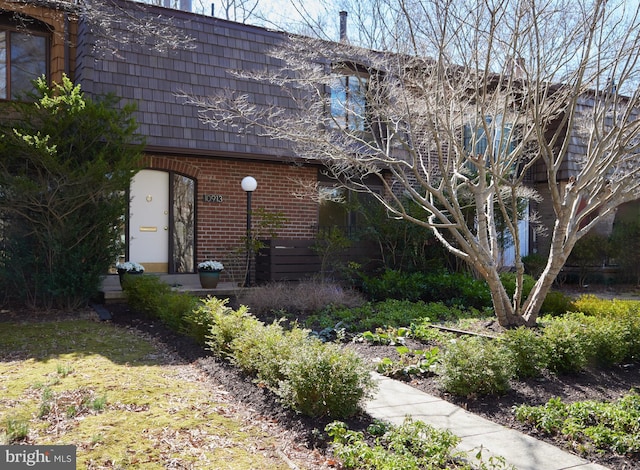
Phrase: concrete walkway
[395,400]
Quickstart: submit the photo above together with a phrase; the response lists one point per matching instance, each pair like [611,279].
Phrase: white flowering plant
[211,266]
[130,267]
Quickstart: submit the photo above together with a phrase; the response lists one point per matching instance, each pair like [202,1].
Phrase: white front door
[149,220]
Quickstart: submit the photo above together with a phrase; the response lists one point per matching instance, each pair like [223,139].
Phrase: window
[344,209]
[493,136]
[23,58]
[348,101]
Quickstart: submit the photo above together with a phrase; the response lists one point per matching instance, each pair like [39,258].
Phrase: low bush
[474,366]
[567,342]
[597,307]
[324,380]
[313,378]
[450,288]
[509,282]
[391,313]
[174,308]
[410,445]
[527,350]
[146,293]
[625,313]
[197,322]
[534,264]
[606,340]
[557,303]
[225,325]
[264,350]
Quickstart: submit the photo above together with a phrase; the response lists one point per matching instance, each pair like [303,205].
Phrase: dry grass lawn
[123,401]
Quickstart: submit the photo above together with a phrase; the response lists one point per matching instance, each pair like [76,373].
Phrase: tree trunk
[502,305]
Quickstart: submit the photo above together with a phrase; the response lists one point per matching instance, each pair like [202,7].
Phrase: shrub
[475,366]
[198,321]
[174,308]
[607,340]
[146,294]
[391,313]
[527,350]
[264,350]
[67,162]
[557,303]
[449,288]
[592,305]
[395,285]
[311,377]
[509,282]
[226,325]
[626,313]
[567,343]
[324,380]
[534,264]
[609,426]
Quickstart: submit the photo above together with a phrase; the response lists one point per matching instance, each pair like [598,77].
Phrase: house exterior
[187,204]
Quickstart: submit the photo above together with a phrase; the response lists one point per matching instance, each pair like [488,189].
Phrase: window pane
[339,102]
[333,212]
[184,224]
[348,102]
[3,65]
[357,95]
[28,61]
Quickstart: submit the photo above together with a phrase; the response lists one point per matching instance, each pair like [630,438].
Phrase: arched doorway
[161,228]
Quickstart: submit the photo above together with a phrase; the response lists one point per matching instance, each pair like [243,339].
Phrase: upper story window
[489,136]
[23,58]
[349,100]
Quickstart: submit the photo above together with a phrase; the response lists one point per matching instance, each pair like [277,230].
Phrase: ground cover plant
[122,399]
[605,426]
[411,445]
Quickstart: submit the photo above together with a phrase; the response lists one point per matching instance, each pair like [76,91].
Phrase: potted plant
[128,268]
[209,272]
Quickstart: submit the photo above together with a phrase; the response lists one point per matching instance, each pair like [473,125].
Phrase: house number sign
[212,198]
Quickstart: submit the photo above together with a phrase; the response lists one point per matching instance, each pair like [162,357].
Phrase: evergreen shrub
[325,380]
[475,366]
[527,350]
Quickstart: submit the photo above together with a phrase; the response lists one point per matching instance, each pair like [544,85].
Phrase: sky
[277,14]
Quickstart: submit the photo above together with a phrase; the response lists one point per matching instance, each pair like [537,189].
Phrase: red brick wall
[222,225]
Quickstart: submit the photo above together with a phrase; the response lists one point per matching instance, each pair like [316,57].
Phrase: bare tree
[460,104]
[102,17]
